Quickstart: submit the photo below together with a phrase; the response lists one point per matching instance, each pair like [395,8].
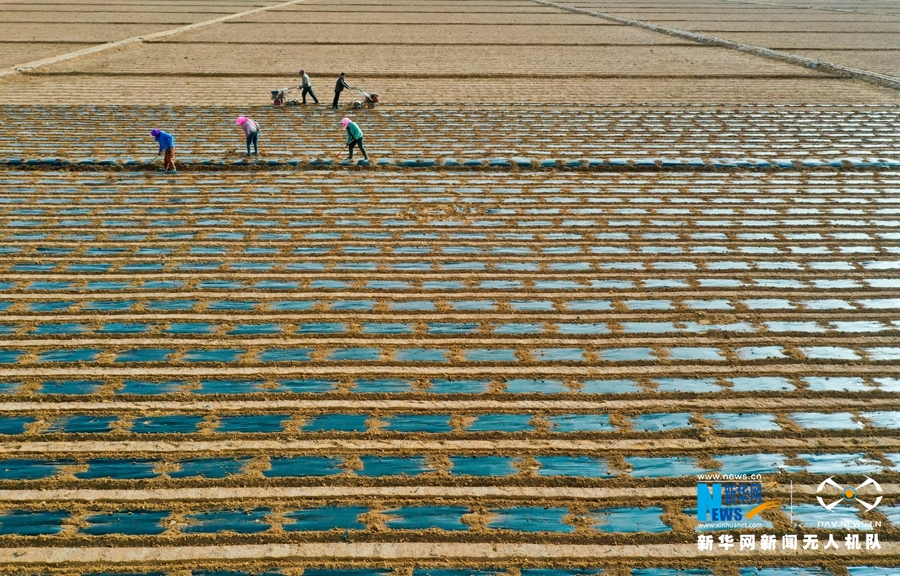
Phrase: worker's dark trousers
[334,103]
[357,142]
[308,90]
[253,138]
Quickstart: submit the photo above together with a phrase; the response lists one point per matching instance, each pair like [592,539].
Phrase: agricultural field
[613,295]
[861,35]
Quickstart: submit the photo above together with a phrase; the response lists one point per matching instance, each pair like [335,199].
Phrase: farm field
[590,267]
[862,35]
[294,358]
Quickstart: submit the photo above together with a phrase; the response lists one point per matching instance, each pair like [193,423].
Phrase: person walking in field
[166,147]
[339,87]
[354,138]
[306,86]
[251,131]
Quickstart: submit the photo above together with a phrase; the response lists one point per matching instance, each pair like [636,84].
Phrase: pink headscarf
[345,122]
[240,120]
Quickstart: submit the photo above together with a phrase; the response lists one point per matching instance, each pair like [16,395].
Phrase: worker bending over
[354,137]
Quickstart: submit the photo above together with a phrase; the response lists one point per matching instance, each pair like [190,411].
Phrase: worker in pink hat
[354,137]
[167,146]
[251,131]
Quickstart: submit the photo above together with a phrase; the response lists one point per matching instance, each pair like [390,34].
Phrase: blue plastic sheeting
[530,519]
[661,422]
[230,387]
[874,570]
[252,423]
[427,517]
[736,421]
[663,467]
[629,520]
[430,423]
[325,518]
[82,424]
[567,423]
[377,466]
[12,425]
[840,464]
[232,573]
[686,385]
[382,386]
[74,387]
[214,355]
[210,468]
[561,572]
[299,466]
[125,574]
[32,523]
[175,424]
[69,355]
[453,572]
[609,387]
[883,418]
[345,572]
[786,571]
[129,522]
[119,469]
[671,572]
[139,355]
[442,386]
[825,421]
[306,386]
[754,464]
[501,423]
[496,466]
[150,388]
[355,354]
[27,469]
[336,423]
[526,386]
[575,466]
[9,387]
[215,521]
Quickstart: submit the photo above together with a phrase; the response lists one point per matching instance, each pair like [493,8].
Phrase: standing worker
[354,137]
[251,130]
[167,145]
[339,87]
[306,86]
